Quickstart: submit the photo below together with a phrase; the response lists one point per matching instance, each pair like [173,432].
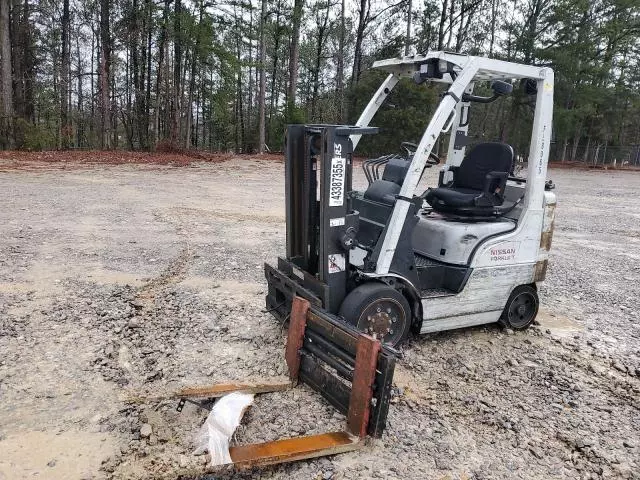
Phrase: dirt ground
[122,280]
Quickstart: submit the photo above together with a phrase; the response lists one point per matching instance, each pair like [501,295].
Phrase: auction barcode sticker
[336,183]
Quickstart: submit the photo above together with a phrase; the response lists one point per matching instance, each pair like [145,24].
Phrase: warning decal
[336,263]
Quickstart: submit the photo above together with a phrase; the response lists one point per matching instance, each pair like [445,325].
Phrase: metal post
[335,183]
[374,105]
[458,137]
[540,142]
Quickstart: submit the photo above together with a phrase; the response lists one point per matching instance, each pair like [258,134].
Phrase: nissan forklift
[393,259]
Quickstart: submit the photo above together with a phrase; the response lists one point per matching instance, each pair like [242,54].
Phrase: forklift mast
[321,229]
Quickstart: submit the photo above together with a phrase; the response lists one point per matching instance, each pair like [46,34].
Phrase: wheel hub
[381,323]
[382,319]
[522,309]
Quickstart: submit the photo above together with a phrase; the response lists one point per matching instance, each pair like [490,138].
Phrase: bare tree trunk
[177,73]
[192,78]
[6,87]
[565,143]
[595,155]
[147,97]
[134,52]
[196,127]
[294,55]
[452,11]
[240,129]
[263,80]
[531,31]
[28,67]
[105,74]
[492,41]
[322,28]
[159,79]
[576,139]
[273,97]
[585,157]
[407,42]
[443,20]
[253,72]
[468,12]
[460,34]
[80,104]
[363,13]
[127,114]
[18,44]
[340,64]
[114,112]
[65,126]
[92,86]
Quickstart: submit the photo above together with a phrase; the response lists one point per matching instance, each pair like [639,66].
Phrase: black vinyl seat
[386,189]
[382,191]
[478,183]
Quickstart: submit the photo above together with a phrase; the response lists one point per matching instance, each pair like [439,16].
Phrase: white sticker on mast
[336,177]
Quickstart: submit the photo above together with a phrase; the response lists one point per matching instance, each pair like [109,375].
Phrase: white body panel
[454,242]
[487,291]
[519,246]
[512,259]
[459,321]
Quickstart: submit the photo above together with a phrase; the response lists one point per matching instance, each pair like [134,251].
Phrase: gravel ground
[120,281]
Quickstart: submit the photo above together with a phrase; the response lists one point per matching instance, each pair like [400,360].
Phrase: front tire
[521,308]
[378,310]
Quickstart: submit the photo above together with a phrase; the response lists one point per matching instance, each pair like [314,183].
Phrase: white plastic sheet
[218,428]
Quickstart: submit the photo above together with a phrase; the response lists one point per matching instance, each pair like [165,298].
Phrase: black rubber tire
[364,300]
[521,308]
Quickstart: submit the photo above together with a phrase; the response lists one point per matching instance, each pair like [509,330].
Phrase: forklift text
[499,254]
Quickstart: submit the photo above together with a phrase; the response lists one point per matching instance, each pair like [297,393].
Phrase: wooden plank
[362,385]
[295,339]
[216,390]
[220,389]
[293,449]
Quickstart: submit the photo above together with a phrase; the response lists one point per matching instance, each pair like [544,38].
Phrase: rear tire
[377,309]
[521,308]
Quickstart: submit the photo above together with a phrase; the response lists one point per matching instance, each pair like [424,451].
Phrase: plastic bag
[218,428]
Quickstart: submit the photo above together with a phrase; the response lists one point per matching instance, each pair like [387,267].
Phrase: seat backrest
[482,159]
[382,191]
[396,169]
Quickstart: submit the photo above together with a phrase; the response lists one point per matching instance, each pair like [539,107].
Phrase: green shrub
[33,137]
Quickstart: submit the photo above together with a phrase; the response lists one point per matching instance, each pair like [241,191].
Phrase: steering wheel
[411,148]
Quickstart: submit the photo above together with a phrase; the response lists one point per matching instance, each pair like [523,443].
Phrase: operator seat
[478,183]
[386,189]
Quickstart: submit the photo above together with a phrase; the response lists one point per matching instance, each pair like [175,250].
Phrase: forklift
[391,259]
